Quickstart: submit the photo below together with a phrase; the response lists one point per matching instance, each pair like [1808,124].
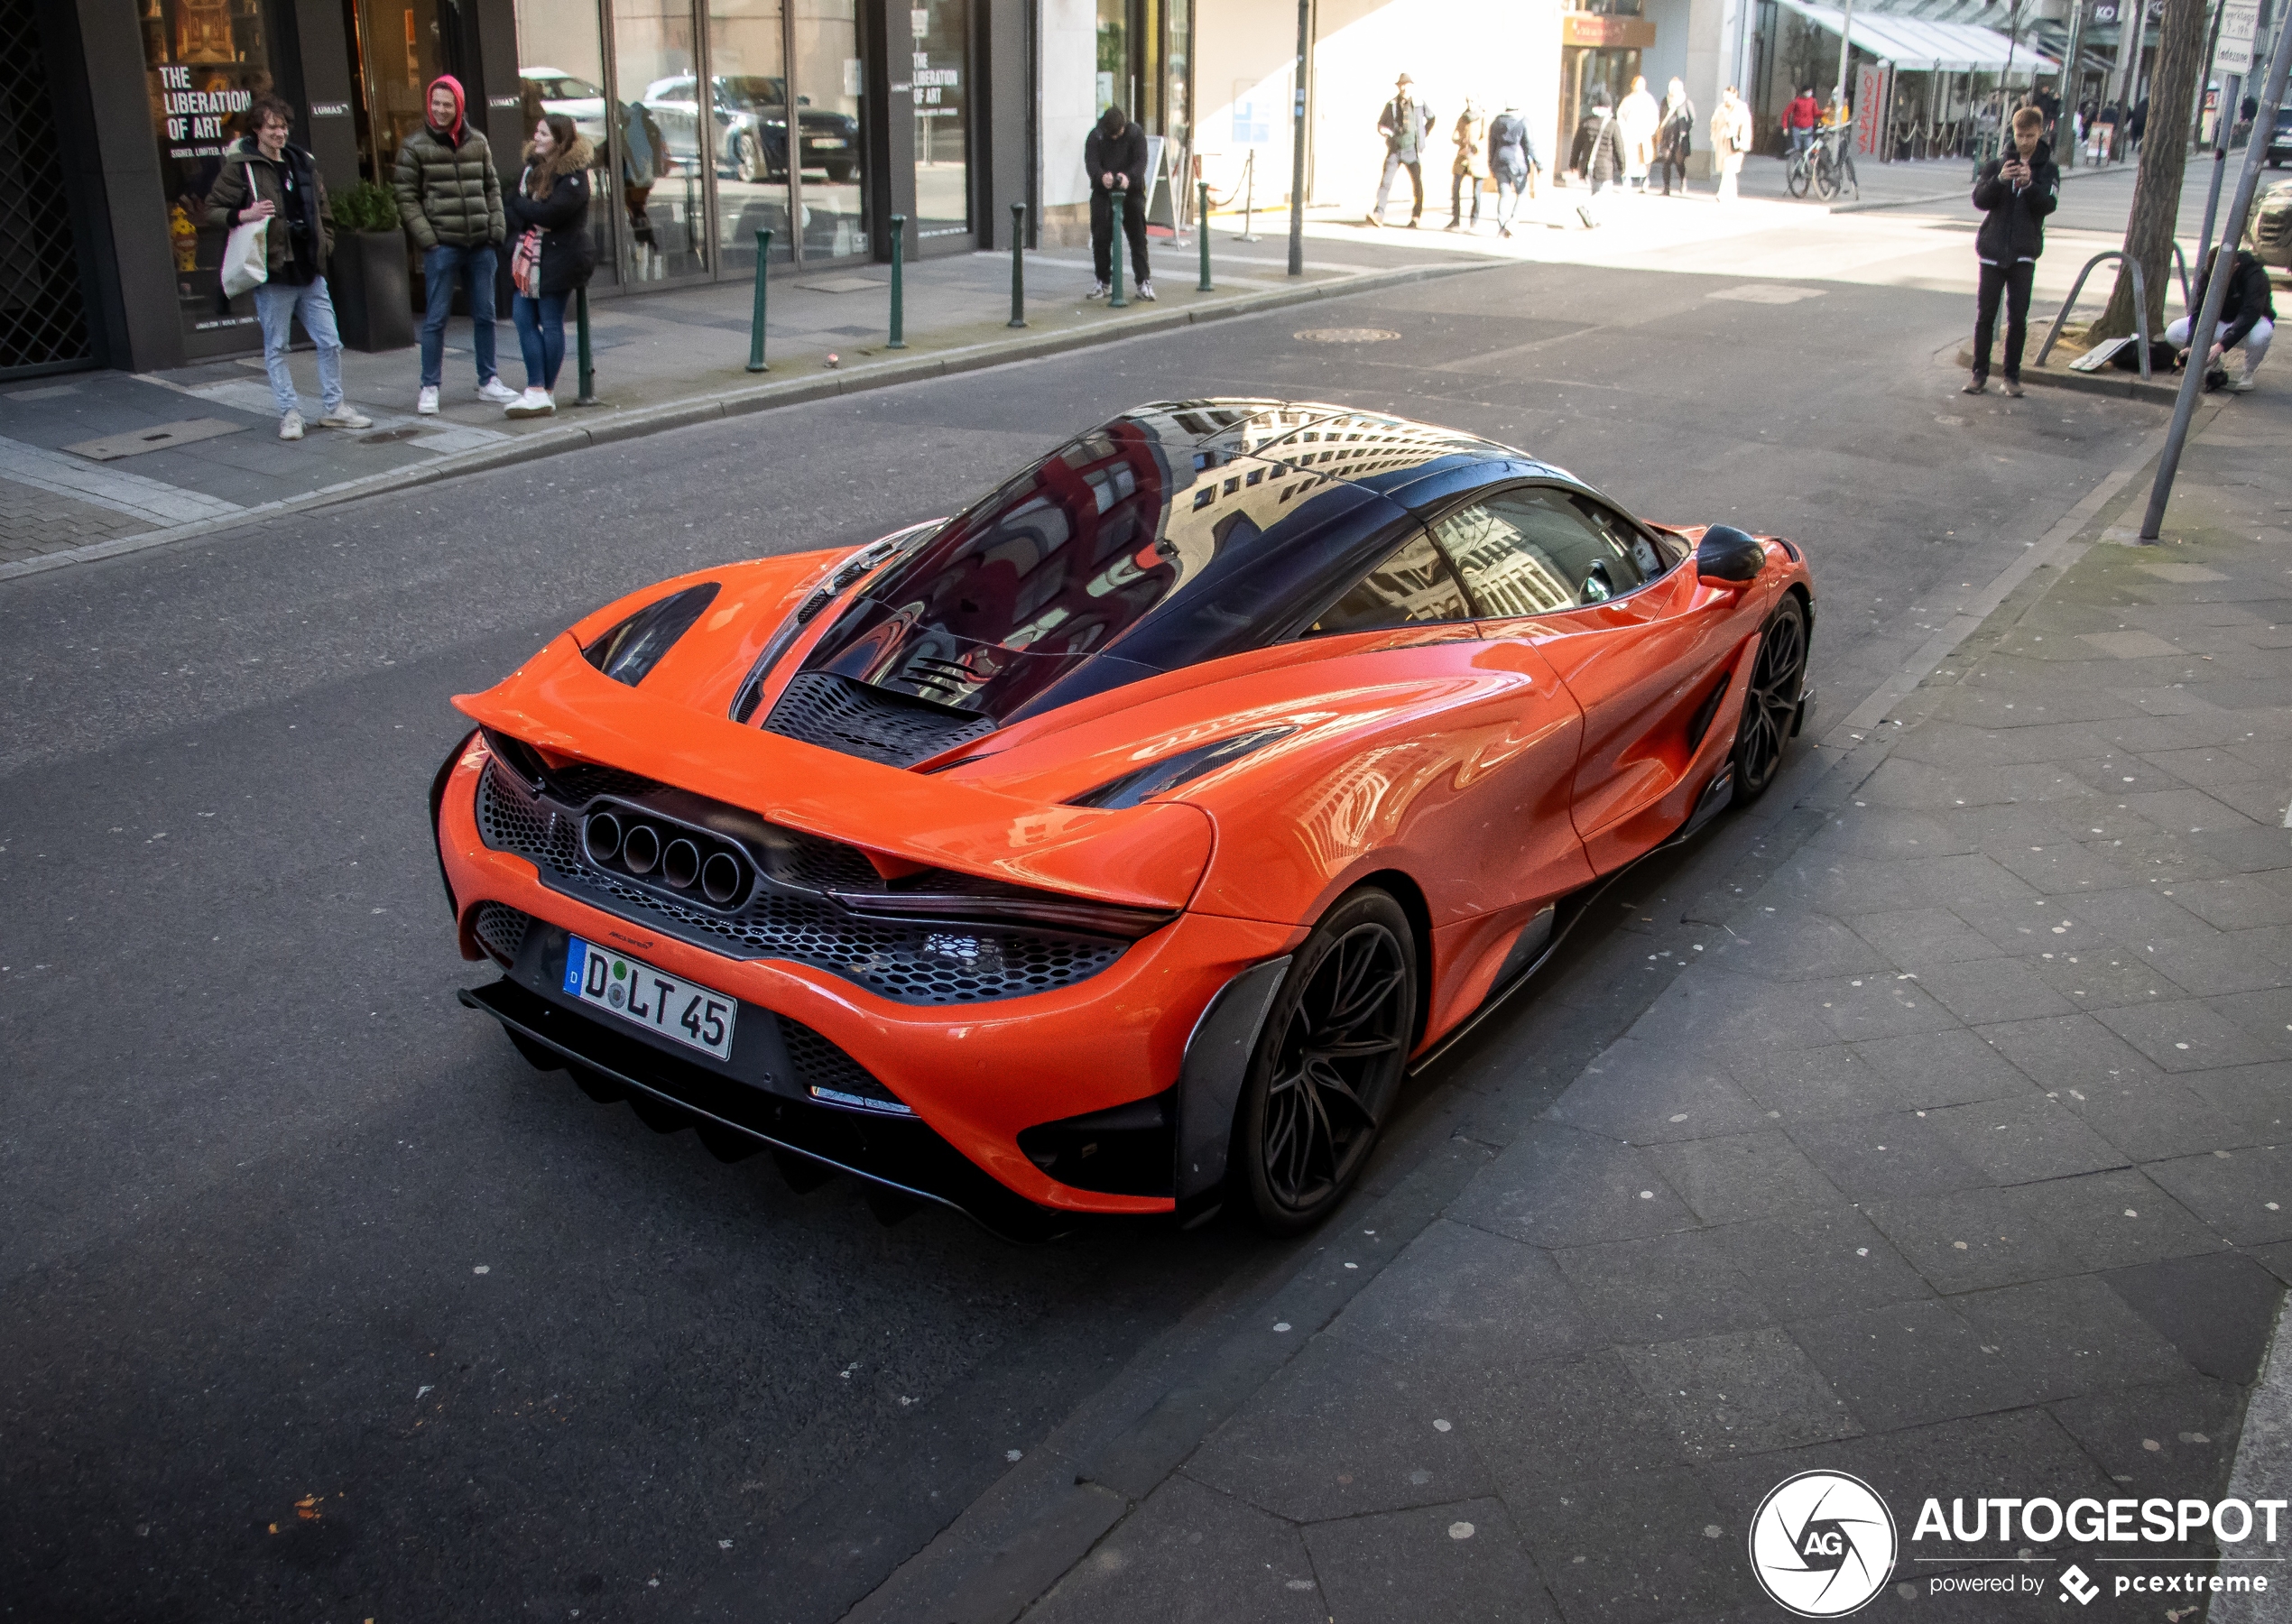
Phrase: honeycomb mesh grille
[837,713]
[500,931]
[44,322]
[906,962]
[821,1064]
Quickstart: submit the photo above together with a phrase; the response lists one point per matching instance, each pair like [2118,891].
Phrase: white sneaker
[2241,384]
[345,416]
[1098,290]
[1146,291]
[427,402]
[497,392]
[291,426]
[533,402]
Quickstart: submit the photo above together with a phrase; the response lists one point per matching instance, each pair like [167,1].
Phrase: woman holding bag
[551,254]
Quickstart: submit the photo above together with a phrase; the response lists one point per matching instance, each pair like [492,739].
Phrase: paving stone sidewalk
[1954,1159]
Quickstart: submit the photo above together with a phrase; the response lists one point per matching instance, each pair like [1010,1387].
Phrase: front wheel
[1826,181]
[1796,181]
[1771,707]
[1330,1062]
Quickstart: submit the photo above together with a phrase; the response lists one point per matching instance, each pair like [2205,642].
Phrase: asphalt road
[318,1304]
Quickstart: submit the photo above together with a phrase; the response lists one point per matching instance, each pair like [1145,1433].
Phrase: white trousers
[2256,342]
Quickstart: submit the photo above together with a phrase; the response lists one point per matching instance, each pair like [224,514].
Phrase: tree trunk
[2164,155]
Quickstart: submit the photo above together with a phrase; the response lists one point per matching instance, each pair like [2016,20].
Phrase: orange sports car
[1119,844]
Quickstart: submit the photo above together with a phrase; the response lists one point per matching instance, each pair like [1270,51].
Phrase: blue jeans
[541,334]
[1800,139]
[276,305]
[441,267]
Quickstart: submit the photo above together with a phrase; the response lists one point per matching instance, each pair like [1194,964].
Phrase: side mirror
[1728,555]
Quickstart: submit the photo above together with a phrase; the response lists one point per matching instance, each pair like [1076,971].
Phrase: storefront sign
[330,109]
[1870,109]
[1603,32]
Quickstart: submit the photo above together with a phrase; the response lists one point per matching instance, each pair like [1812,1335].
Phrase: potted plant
[372,290]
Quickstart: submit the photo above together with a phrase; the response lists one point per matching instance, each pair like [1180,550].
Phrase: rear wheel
[1330,1062]
[1770,707]
[1796,179]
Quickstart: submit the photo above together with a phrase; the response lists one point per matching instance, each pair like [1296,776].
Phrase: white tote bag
[246,257]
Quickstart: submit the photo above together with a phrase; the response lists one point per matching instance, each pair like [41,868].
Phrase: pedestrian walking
[2136,126]
[2015,192]
[1405,122]
[1799,119]
[2107,129]
[1115,155]
[1604,163]
[1730,140]
[1675,140]
[264,176]
[549,211]
[449,196]
[2247,316]
[1513,158]
[1470,170]
[1638,120]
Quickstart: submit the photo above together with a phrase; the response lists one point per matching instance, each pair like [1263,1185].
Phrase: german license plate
[653,998]
[821,143]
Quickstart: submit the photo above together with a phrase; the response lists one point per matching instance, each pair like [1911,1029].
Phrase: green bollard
[1115,301]
[898,315]
[585,358]
[756,321]
[1018,266]
[1202,230]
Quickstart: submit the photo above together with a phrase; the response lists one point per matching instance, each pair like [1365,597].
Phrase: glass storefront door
[942,119]
[665,142]
[831,184]
[204,62]
[748,126]
[567,74]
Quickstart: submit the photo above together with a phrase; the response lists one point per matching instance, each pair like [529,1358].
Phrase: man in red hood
[450,195]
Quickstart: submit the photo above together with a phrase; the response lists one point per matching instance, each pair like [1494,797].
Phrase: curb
[642,421]
[2123,386]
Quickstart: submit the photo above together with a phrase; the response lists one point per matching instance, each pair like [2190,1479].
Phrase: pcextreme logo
[1823,1544]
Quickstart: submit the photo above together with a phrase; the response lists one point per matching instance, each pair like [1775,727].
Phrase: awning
[1914,44]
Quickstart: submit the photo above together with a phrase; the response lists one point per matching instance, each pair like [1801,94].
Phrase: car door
[1640,644]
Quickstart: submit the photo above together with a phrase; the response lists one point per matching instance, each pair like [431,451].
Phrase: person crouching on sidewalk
[552,252]
[2016,192]
[263,178]
[1115,156]
[2248,316]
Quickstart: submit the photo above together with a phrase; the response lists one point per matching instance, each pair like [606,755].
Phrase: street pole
[1846,48]
[2200,336]
[1297,143]
[2232,88]
[2072,81]
[2212,50]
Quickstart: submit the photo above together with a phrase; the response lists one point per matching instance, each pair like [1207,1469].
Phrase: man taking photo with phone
[2015,192]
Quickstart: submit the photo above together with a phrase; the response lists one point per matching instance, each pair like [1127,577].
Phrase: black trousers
[1456,185]
[2012,281]
[1102,234]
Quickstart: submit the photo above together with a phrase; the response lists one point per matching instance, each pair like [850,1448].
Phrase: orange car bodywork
[1484,768]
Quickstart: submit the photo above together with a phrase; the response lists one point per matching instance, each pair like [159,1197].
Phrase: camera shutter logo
[1823,1544]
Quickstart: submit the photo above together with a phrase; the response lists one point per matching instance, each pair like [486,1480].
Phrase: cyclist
[2016,192]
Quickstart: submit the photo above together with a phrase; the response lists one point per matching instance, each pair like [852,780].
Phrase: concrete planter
[373,292]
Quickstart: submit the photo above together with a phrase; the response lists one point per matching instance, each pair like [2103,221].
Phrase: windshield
[562,87]
[751,91]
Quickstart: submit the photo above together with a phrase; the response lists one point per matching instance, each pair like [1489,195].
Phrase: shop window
[942,122]
[205,62]
[560,69]
[663,143]
[830,81]
[749,120]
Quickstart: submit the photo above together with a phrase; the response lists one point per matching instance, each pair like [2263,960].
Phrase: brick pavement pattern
[1956,1158]
[34,521]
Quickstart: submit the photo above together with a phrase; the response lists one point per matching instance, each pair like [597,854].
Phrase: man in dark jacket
[2016,192]
[2248,316]
[1114,152]
[265,178]
[1602,157]
[449,196]
[1406,123]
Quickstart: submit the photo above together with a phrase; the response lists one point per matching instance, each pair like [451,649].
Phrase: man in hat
[1405,123]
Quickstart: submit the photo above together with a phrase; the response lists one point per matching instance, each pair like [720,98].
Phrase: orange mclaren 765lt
[1119,845]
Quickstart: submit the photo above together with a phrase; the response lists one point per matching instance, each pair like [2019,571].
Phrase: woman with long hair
[552,252]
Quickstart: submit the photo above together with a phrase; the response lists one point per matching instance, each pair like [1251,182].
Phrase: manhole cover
[1346,335]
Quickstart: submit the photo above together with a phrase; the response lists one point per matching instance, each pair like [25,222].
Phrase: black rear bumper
[900,1154]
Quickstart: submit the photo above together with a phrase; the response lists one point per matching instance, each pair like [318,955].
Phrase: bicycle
[1825,165]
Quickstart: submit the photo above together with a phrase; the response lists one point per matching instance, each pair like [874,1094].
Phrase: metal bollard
[585,360]
[1018,266]
[898,313]
[756,321]
[1115,301]
[1202,230]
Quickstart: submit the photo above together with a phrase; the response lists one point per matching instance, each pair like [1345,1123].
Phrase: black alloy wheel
[1770,707]
[1328,1063]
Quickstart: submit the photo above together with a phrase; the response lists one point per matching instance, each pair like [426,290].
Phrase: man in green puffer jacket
[449,195]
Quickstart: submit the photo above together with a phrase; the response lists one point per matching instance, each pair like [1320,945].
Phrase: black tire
[1771,707]
[1826,181]
[1795,181]
[747,157]
[1328,1064]
[842,174]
